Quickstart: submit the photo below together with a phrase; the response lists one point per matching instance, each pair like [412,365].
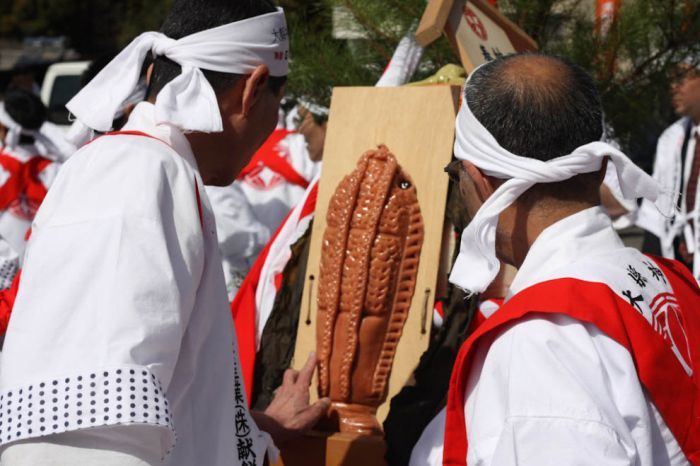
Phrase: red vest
[676,317]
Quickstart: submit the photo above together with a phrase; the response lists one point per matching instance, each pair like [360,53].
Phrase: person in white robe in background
[677,153]
[29,162]
[121,349]
[271,194]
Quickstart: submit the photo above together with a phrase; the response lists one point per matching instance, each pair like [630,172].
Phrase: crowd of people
[151,262]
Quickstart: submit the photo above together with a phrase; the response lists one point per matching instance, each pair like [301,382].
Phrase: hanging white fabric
[188,101]
[476,264]
[404,62]
[79,134]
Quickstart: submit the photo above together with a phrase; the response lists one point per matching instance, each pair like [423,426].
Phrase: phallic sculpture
[369,261]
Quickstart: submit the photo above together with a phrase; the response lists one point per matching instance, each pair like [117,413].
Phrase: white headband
[79,133]
[476,264]
[188,101]
[42,140]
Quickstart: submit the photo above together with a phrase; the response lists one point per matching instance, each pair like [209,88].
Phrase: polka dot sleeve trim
[117,396]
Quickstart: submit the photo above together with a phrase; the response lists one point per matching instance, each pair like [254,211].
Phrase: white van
[61,83]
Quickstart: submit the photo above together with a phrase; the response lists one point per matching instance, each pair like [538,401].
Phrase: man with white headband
[592,359]
[121,348]
[25,174]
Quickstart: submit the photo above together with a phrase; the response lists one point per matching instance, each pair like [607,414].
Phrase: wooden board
[321,449]
[433,21]
[476,30]
[417,125]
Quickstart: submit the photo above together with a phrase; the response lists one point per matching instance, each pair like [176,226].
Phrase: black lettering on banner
[245,449]
[244,444]
[633,300]
[281,34]
[636,276]
[241,422]
[655,271]
[238,393]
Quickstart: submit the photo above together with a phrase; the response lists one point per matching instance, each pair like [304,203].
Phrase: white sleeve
[109,282]
[649,217]
[240,233]
[558,441]
[116,447]
[555,392]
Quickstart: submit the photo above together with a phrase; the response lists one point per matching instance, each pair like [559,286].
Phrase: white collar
[586,233]
[143,118]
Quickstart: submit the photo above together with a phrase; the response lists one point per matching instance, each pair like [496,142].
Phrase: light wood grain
[433,21]
[417,125]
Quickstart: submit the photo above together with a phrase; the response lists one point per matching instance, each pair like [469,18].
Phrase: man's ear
[254,86]
[485,185]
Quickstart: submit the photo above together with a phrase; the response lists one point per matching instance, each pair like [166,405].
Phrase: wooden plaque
[417,125]
[477,31]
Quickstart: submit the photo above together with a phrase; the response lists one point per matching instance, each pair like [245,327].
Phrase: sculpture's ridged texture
[368,269]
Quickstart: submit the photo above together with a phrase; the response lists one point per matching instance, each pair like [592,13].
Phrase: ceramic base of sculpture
[355,418]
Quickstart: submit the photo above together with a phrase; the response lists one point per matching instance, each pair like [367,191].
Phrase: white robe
[555,391]
[669,173]
[122,317]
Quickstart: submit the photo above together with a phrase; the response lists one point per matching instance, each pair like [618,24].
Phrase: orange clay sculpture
[369,261]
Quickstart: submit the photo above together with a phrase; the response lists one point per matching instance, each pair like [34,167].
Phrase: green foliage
[320,61]
[632,65]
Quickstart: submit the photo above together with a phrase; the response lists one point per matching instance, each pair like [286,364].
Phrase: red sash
[268,156]
[23,182]
[675,394]
[12,187]
[7,301]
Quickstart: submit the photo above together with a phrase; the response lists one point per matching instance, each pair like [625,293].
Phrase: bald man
[590,360]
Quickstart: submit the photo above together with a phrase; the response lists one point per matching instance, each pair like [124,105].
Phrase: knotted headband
[188,101]
[477,265]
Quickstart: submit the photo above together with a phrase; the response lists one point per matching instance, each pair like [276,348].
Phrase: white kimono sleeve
[241,235]
[549,393]
[109,282]
[667,172]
